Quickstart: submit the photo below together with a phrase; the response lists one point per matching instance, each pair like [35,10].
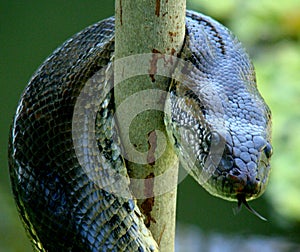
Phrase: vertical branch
[145,27]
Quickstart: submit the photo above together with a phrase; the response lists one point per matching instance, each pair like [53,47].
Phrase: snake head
[219,122]
[232,161]
[227,150]
[243,169]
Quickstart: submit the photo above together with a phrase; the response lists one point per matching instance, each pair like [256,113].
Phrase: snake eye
[268,150]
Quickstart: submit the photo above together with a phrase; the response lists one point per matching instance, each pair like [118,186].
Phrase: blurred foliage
[270,30]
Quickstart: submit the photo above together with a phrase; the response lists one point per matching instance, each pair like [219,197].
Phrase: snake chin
[235,179]
[234,182]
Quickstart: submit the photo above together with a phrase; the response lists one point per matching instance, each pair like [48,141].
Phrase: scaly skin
[62,208]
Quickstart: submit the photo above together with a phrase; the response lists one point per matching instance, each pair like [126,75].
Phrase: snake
[62,208]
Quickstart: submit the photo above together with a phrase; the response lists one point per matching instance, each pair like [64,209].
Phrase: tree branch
[145,27]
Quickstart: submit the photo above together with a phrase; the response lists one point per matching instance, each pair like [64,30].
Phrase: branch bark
[143,27]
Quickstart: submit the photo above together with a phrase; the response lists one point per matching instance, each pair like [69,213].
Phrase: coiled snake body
[62,208]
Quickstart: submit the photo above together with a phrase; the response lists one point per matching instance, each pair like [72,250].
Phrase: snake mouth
[244,183]
[236,182]
[245,173]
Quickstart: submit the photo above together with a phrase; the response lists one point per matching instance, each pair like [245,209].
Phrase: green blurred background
[270,30]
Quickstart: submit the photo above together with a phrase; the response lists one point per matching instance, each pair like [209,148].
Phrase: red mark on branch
[156,55]
[172,35]
[147,205]
[157,8]
[152,144]
[153,64]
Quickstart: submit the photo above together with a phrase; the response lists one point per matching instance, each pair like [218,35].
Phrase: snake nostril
[236,172]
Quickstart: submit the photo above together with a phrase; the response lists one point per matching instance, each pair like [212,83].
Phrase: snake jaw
[242,201]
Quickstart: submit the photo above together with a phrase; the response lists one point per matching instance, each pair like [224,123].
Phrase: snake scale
[62,209]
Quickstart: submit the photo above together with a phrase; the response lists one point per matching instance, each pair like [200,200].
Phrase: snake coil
[62,209]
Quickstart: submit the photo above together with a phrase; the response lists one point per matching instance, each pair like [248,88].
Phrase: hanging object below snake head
[220,124]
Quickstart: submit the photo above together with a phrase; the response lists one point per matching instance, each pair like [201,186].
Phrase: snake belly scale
[61,208]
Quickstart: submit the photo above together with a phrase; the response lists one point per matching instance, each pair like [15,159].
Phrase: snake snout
[244,167]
